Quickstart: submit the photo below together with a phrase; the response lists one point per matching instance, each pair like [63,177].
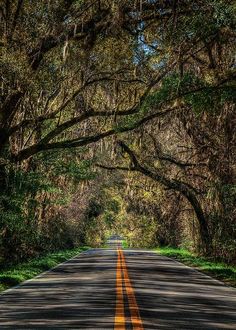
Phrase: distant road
[119,289]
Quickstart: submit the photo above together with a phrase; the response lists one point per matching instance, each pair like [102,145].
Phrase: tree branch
[82,141]
[111,168]
[176,185]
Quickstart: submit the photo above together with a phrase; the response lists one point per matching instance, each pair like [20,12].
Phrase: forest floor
[15,274]
[218,270]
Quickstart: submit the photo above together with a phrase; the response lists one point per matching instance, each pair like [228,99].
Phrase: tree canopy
[97,95]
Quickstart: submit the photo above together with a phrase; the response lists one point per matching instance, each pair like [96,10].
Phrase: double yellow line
[133,307]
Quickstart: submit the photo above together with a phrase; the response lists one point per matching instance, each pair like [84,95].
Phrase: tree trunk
[179,186]
[203,226]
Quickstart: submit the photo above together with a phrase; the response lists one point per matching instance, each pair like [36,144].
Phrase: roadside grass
[125,244]
[218,270]
[14,275]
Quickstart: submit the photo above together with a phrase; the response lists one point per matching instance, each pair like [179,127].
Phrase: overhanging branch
[83,141]
[175,185]
[112,168]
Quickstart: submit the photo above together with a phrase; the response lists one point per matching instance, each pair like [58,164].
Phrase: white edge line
[196,270]
[42,274]
[84,252]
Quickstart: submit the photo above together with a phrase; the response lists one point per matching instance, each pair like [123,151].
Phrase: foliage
[29,193]
[74,76]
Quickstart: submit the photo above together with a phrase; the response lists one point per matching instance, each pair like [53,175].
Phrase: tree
[77,72]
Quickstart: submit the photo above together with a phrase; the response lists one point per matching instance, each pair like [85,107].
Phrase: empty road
[119,289]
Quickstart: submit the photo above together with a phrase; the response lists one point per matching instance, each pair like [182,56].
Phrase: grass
[14,275]
[125,244]
[220,271]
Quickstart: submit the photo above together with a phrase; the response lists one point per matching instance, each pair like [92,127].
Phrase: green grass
[16,274]
[220,271]
[125,244]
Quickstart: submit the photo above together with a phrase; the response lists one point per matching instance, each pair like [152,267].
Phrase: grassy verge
[220,271]
[22,272]
[125,244]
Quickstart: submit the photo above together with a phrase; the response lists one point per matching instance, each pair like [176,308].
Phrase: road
[115,289]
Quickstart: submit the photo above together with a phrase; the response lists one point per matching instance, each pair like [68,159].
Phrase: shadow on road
[80,294]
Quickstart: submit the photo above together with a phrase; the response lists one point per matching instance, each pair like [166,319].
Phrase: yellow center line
[133,306]
[120,310]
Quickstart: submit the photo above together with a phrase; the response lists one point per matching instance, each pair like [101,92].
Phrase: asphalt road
[83,294]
